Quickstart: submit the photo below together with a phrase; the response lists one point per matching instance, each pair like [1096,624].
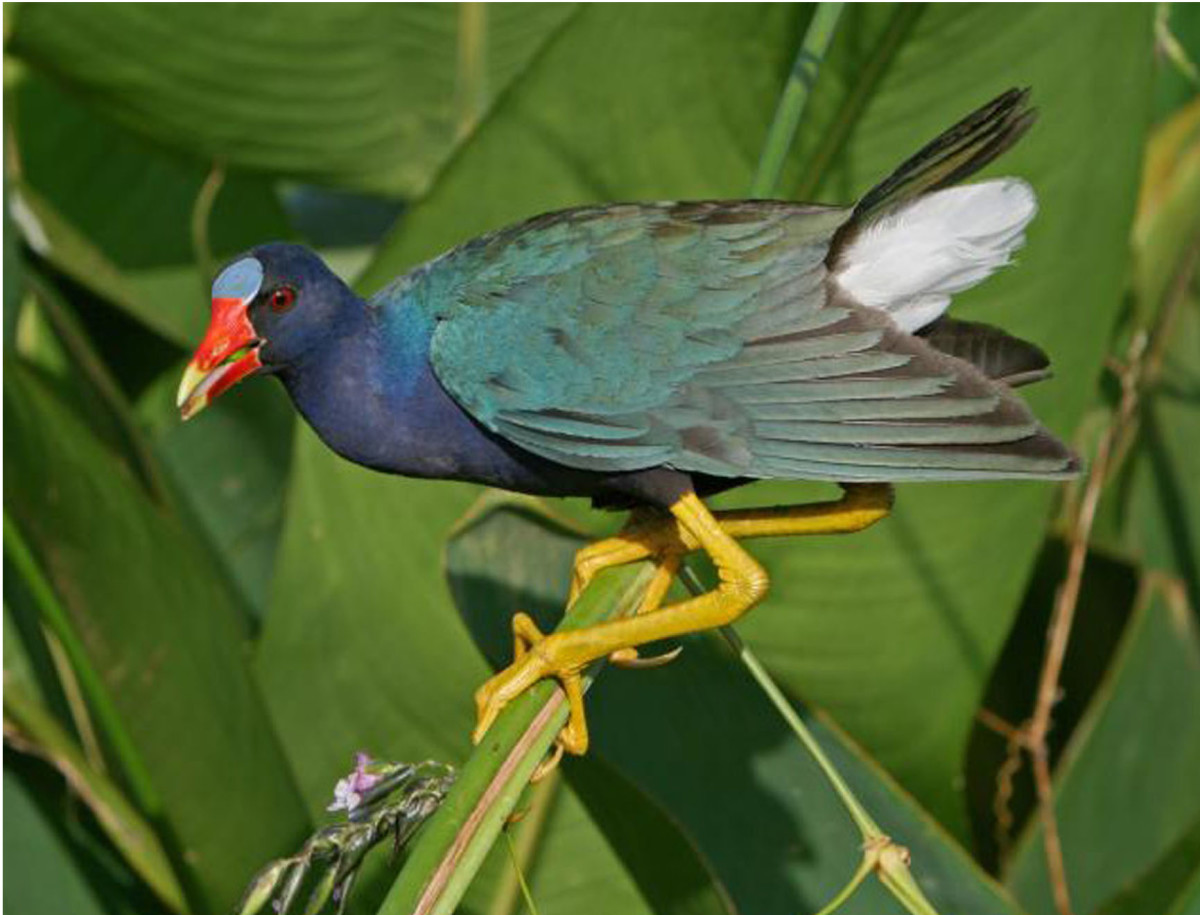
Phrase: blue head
[272,307]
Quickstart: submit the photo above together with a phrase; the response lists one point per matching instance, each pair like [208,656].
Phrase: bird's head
[270,306]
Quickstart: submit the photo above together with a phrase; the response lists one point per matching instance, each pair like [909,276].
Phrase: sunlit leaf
[364,96]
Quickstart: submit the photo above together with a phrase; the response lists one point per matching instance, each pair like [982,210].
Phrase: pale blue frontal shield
[240,280]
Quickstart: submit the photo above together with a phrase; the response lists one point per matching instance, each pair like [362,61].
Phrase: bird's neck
[369,391]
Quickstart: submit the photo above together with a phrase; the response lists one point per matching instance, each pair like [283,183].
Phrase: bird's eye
[282,298]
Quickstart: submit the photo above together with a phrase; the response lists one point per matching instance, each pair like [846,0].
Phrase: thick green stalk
[453,844]
[795,96]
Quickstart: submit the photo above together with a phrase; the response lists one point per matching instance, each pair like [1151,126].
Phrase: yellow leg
[656,591]
[656,534]
[742,584]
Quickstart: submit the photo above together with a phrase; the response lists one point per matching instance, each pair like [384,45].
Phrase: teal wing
[709,337]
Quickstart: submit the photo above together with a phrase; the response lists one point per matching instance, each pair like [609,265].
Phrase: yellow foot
[666,539]
[535,656]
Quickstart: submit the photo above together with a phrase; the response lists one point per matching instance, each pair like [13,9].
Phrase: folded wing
[711,337]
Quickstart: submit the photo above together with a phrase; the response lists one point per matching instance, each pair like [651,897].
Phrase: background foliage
[204,622]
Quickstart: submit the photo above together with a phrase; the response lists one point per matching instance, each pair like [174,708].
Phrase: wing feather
[709,337]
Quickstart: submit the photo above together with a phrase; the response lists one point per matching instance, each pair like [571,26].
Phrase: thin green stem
[55,616]
[516,865]
[866,825]
[880,853]
[472,67]
[523,849]
[794,98]
[835,135]
[202,209]
[864,868]
[895,875]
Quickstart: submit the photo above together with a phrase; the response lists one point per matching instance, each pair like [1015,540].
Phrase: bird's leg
[664,574]
[742,584]
[564,655]
[649,533]
[658,535]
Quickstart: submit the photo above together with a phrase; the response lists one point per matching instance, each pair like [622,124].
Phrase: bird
[650,355]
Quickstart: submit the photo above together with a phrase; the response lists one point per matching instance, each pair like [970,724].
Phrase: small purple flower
[348,792]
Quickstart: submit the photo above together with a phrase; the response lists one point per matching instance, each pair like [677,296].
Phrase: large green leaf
[230,468]
[1126,787]
[1168,879]
[162,632]
[649,843]
[365,96]
[361,648]
[702,740]
[640,101]
[893,631]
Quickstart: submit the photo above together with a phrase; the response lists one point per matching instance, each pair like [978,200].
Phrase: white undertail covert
[912,260]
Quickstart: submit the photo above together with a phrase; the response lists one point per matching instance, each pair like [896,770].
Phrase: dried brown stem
[1139,370]
[1059,634]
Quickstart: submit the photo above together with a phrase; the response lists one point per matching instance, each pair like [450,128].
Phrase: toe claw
[629,659]
[485,713]
[548,764]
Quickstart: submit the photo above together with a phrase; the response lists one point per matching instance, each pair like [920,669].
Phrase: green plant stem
[453,844]
[55,617]
[863,820]
[794,98]
[526,895]
[866,825]
[864,869]
[880,853]
[202,209]
[471,89]
[522,849]
[835,135]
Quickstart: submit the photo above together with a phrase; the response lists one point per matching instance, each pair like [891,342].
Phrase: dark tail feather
[999,355]
[961,151]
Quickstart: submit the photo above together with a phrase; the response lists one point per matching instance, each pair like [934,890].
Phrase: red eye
[283,298]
